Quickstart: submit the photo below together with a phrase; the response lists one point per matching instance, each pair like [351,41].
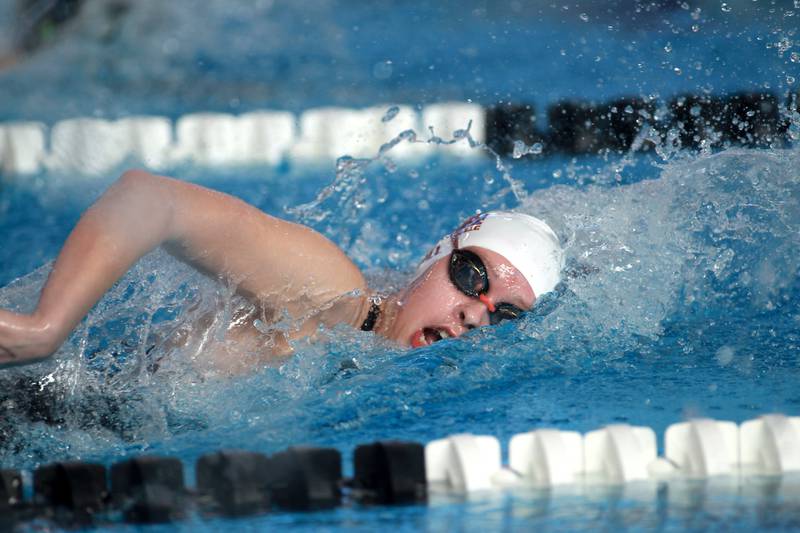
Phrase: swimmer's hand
[24,339]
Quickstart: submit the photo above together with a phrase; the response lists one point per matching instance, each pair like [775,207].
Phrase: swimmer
[492,268]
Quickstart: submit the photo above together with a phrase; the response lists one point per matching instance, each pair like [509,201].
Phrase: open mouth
[427,336]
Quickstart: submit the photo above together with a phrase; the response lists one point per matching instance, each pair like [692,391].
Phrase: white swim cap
[527,242]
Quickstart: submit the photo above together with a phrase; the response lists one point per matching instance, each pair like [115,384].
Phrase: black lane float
[232,483]
[577,127]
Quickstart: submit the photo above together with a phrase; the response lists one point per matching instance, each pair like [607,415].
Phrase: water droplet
[668,47]
[725,355]
[382,70]
[389,165]
[795,57]
[784,44]
[408,135]
[725,7]
[790,80]
[519,149]
[695,28]
[685,6]
[695,111]
[390,113]
[677,70]
[584,17]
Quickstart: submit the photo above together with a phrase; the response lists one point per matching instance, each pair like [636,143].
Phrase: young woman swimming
[493,267]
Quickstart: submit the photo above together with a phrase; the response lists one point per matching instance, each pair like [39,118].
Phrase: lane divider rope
[94,146]
[151,489]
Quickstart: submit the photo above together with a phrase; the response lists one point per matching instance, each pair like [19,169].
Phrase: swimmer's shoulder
[332,264]
[317,262]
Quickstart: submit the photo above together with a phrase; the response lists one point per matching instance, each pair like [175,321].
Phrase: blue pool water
[239,54]
[685,299]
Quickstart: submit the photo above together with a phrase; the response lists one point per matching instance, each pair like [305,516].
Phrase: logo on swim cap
[473,223]
[529,244]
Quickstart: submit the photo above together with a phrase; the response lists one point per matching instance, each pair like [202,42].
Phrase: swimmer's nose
[473,312]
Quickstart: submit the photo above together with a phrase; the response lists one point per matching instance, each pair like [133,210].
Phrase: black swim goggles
[468,274]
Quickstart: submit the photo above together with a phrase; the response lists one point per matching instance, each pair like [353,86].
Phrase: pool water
[681,297]
[274,54]
[690,308]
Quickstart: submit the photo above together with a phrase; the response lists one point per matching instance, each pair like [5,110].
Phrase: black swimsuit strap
[372,316]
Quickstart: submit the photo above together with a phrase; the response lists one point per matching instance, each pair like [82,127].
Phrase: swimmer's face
[432,308]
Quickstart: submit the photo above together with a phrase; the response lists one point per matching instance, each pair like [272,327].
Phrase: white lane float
[703,447]
[151,139]
[207,139]
[269,134]
[619,453]
[463,463]
[91,145]
[222,139]
[332,132]
[547,457]
[87,146]
[22,147]
[770,444]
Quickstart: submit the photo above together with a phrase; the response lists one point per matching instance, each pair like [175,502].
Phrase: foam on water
[713,232]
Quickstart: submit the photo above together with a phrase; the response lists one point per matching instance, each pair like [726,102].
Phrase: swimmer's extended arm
[271,261]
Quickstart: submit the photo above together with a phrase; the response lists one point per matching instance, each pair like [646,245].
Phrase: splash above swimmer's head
[492,267]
